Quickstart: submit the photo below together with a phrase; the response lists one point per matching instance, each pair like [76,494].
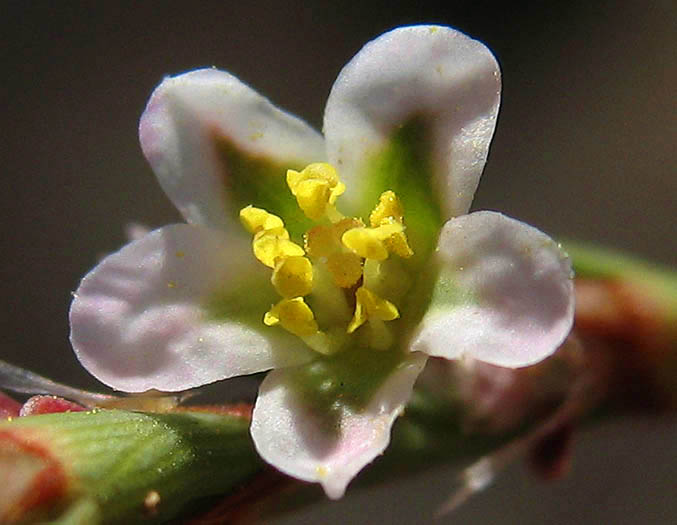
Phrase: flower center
[343,265]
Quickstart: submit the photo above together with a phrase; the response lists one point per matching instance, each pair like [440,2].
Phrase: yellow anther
[371,306]
[294,315]
[344,225]
[270,245]
[345,268]
[366,242]
[317,170]
[397,244]
[293,276]
[388,206]
[256,219]
[320,241]
[388,212]
[392,234]
[313,197]
[359,318]
[316,188]
[388,228]
[377,307]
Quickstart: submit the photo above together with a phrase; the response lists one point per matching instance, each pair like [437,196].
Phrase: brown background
[585,148]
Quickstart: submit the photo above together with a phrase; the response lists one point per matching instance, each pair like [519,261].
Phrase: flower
[340,262]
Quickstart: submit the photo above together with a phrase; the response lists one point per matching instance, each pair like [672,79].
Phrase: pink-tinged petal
[503,294]
[212,139]
[179,308]
[48,405]
[290,435]
[438,83]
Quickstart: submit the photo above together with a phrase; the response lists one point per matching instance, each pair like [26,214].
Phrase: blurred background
[584,149]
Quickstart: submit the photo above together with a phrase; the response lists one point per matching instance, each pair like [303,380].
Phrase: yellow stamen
[313,197]
[344,225]
[385,237]
[389,210]
[365,242]
[270,245]
[343,248]
[371,306]
[293,276]
[316,189]
[323,241]
[294,315]
[395,239]
[397,244]
[256,219]
[389,228]
[388,206]
[320,241]
[345,268]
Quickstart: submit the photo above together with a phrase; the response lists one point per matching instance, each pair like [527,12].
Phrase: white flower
[356,301]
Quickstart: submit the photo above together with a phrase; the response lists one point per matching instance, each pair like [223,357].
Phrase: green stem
[658,282]
[115,459]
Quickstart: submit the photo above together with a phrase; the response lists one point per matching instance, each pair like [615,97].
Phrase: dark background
[585,148]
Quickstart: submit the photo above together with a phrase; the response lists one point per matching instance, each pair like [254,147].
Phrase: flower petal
[216,146]
[503,294]
[428,95]
[181,307]
[293,436]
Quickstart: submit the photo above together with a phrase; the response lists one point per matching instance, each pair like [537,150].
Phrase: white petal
[289,435]
[436,74]
[182,125]
[181,307]
[504,293]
